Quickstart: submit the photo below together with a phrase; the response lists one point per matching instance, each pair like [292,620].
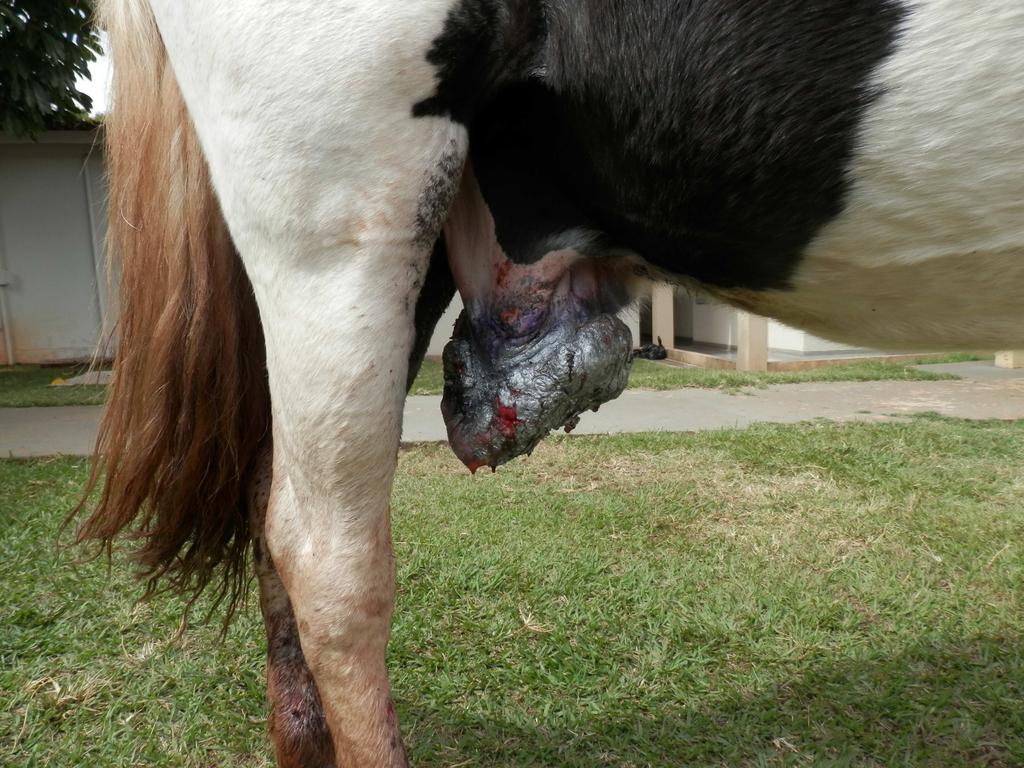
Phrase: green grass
[22,386]
[649,375]
[430,379]
[819,594]
[28,385]
[652,375]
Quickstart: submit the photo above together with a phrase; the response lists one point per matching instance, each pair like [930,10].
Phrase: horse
[293,184]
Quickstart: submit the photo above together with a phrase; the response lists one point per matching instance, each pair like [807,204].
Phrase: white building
[52,226]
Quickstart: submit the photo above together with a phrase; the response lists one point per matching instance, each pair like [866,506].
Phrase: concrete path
[28,432]
[985,392]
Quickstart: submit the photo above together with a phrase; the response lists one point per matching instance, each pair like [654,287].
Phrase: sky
[98,85]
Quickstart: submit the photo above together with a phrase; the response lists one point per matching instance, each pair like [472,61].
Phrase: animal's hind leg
[296,721]
[338,395]
[334,193]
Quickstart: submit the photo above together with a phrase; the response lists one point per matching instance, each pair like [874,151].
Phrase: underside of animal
[849,168]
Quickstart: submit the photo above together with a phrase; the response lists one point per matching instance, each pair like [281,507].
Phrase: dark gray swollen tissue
[499,405]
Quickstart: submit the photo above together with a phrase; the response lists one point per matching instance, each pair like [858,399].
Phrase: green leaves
[45,45]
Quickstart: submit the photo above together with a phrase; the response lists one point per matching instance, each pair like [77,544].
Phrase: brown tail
[189,404]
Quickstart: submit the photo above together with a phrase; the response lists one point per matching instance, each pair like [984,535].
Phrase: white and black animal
[293,182]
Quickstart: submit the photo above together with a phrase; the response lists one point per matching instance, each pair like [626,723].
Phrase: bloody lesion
[506,419]
[537,343]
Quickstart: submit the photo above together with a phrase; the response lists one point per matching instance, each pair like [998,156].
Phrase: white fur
[930,250]
[304,112]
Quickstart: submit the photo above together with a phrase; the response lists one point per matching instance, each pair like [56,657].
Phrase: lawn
[652,375]
[818,594]
[27,385]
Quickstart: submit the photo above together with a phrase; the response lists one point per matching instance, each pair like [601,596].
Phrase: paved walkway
[985,392]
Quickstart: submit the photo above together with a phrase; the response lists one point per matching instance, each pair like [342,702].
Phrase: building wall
[816,345]
[443,331]
[784,338]
[52,226]
[684,314]
[715,323]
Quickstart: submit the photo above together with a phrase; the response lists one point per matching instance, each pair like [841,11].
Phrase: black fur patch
[536,206]
[712,137]
[484,45]
[435,296]
[437,196]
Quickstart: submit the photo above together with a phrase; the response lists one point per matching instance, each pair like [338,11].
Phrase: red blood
[507,419]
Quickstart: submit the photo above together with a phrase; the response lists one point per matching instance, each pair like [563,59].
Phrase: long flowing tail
[189,404]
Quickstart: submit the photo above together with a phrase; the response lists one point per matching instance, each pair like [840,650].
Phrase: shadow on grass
[940,703]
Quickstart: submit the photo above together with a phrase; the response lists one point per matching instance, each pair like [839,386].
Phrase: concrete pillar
[1011,359]
[751,342]
[663,315]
